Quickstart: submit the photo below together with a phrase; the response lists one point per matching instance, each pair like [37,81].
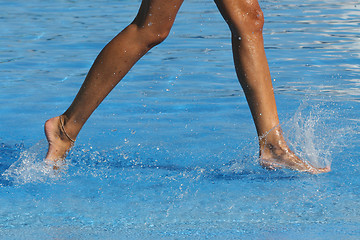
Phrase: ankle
[272,139]
[66,129]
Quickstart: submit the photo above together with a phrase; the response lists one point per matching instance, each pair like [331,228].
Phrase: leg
[150,27]
[246,20]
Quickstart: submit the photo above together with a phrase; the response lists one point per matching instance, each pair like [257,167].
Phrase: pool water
[172,152]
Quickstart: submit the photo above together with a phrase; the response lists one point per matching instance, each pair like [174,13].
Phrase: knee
[150,34]
[247,18]
[156,36]
[257,20]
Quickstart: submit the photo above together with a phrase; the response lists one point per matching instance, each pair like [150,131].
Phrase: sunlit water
[172,152]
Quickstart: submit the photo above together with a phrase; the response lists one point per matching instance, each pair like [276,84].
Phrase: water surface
[171,153]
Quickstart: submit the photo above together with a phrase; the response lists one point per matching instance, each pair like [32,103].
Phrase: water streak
[313,133]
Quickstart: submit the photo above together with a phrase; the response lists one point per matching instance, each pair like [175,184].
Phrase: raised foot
[273,158]
[59,142]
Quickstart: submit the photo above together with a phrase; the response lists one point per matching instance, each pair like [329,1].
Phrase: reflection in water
[325,37]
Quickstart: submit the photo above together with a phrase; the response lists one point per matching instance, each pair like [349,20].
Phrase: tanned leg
[150,27]
[246,20]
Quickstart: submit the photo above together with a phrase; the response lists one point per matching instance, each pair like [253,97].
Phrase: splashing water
[313,135]
[31,167]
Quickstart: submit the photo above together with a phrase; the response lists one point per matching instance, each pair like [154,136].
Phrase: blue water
[171,153]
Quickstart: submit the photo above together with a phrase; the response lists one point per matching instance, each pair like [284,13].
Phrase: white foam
[31,167]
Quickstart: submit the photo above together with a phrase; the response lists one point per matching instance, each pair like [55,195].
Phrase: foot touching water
[275,154]
[59,142]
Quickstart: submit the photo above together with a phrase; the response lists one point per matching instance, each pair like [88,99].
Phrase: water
[171,153]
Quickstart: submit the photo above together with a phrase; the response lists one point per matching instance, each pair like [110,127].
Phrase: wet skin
[150,27]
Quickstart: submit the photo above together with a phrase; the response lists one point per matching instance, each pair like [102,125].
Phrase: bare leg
[246,21]
[150,27]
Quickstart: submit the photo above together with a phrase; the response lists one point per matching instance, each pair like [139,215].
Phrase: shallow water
[171,153]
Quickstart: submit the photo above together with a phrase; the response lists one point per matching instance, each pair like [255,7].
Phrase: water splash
[316,133]
[31,167]
[313,133]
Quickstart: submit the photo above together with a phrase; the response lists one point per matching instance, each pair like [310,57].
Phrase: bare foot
[59,141]
[275,154]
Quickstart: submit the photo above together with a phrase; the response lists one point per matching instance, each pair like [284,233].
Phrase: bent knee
[156,36]
[150,34]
